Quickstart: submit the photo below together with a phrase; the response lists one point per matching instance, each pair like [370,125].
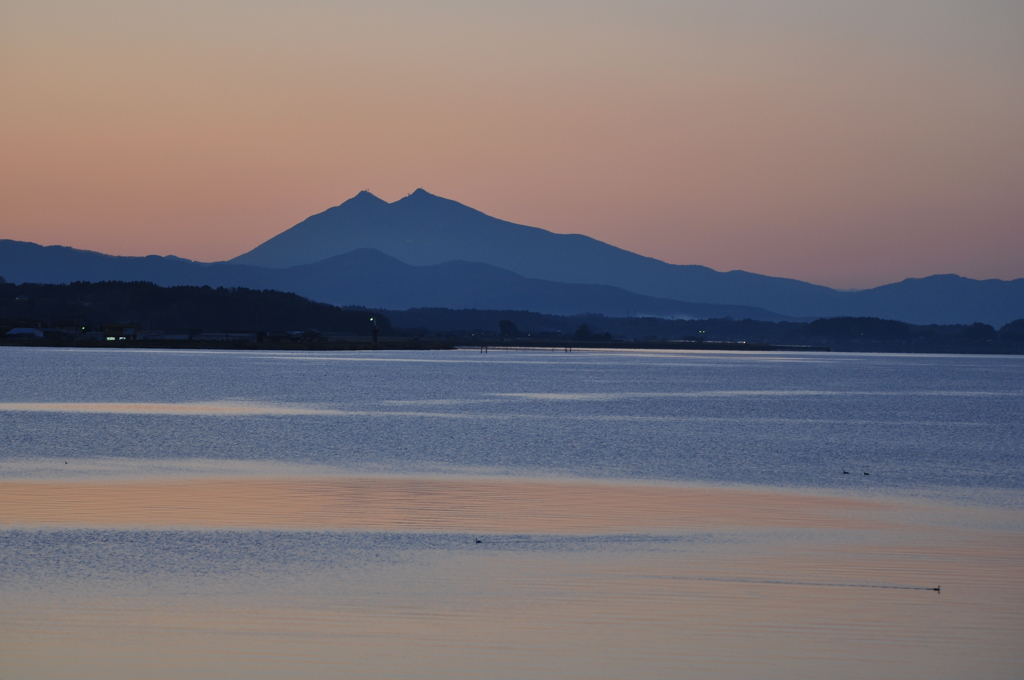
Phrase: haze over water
[639,514]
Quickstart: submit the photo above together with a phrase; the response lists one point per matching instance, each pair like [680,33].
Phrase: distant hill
[363,277]
[377,280]
[940,299]
[423,229]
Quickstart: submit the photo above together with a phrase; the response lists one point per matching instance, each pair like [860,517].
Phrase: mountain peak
[364,197]
[364,203]
[418,195]
[422,203]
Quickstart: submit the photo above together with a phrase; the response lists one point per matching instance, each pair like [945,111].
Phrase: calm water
[510,515]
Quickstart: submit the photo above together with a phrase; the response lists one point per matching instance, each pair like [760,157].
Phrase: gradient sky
[846,143]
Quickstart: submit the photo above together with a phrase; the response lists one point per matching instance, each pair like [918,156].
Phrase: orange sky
[846,145]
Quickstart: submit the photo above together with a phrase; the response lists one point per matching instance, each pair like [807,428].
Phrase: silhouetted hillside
[87,306]
[857,328]
[1013,331]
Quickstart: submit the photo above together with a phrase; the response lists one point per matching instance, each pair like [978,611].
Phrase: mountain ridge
[363,277]
[424,229]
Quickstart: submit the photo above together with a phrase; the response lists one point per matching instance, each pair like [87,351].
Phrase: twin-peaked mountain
[427,251]
[423,229]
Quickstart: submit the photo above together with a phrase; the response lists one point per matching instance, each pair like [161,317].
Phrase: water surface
[178,514]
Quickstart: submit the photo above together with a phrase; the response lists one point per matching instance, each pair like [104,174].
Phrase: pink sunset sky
[850,144]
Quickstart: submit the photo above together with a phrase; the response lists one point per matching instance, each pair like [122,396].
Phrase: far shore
[485,344]
[405,343]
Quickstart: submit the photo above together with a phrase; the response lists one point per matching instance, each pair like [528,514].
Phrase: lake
[513,514]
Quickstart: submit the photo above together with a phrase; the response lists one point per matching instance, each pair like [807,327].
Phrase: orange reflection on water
[797,609]
[798,605]
[422,504]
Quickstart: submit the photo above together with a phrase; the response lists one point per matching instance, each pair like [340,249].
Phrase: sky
[850,144]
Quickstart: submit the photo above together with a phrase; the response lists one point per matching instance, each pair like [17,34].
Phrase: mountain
[941,299]
[427,251]
[423,229]
[363,277]
[377,280]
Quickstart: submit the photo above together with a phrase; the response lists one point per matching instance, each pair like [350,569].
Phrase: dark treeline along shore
[851,334]
[144,314]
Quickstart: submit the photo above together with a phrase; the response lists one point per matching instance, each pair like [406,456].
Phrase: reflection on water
[208,409]
[202,409]
[746,583]
[714,394]
[423,504]
[466,578]
[240,408]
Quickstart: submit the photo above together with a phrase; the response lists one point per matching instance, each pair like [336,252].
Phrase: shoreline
[485,345]
[400,343]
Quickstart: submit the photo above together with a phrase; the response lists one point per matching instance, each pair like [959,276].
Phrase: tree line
[83,307]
